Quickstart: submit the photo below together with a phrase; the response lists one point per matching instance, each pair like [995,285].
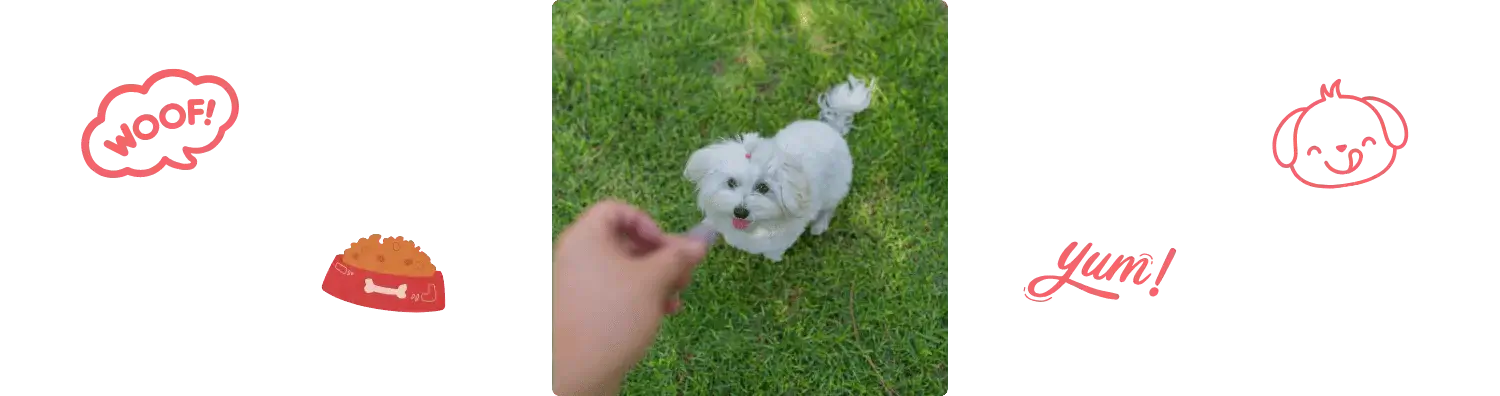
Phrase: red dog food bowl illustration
[393,274]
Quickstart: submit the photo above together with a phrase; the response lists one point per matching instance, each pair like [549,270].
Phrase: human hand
[615,274]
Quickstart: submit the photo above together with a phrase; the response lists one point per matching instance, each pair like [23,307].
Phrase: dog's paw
[774,257]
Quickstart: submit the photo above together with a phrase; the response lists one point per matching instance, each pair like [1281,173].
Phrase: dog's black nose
[741,213]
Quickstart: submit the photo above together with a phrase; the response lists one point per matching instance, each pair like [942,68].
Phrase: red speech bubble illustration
[1129,268]
[1355,155]
[173,116]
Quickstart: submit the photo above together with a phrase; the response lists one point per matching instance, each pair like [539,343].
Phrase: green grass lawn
[862,309]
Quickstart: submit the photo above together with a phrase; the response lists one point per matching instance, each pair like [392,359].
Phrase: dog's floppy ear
[700,163]
[796,192]
[1284,142]
[1395,123]
[706,159]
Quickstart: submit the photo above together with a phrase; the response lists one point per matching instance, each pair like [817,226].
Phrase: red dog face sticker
[173,116]
[1340,140]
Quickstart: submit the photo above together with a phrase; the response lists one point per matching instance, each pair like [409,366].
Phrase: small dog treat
[704,232]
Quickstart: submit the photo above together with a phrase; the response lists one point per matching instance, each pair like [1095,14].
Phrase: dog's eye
[1310,150]
[1369,140]
[762,188]
[733,183]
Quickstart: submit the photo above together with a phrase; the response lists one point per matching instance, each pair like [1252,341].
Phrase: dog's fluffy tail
[841,102]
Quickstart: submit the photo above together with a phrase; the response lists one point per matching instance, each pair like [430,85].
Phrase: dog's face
[1340,140]
[745,183]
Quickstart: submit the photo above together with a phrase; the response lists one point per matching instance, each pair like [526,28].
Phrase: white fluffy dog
[761,193]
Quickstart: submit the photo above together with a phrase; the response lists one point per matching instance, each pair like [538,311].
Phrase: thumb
[672,264]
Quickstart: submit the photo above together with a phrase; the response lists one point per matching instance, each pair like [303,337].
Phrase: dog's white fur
[806,170]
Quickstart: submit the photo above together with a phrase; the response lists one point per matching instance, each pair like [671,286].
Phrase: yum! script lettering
[1082,263]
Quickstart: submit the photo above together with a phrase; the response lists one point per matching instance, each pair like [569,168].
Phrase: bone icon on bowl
[399,291]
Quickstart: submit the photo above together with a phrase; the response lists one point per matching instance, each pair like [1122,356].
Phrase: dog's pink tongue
[740,224]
